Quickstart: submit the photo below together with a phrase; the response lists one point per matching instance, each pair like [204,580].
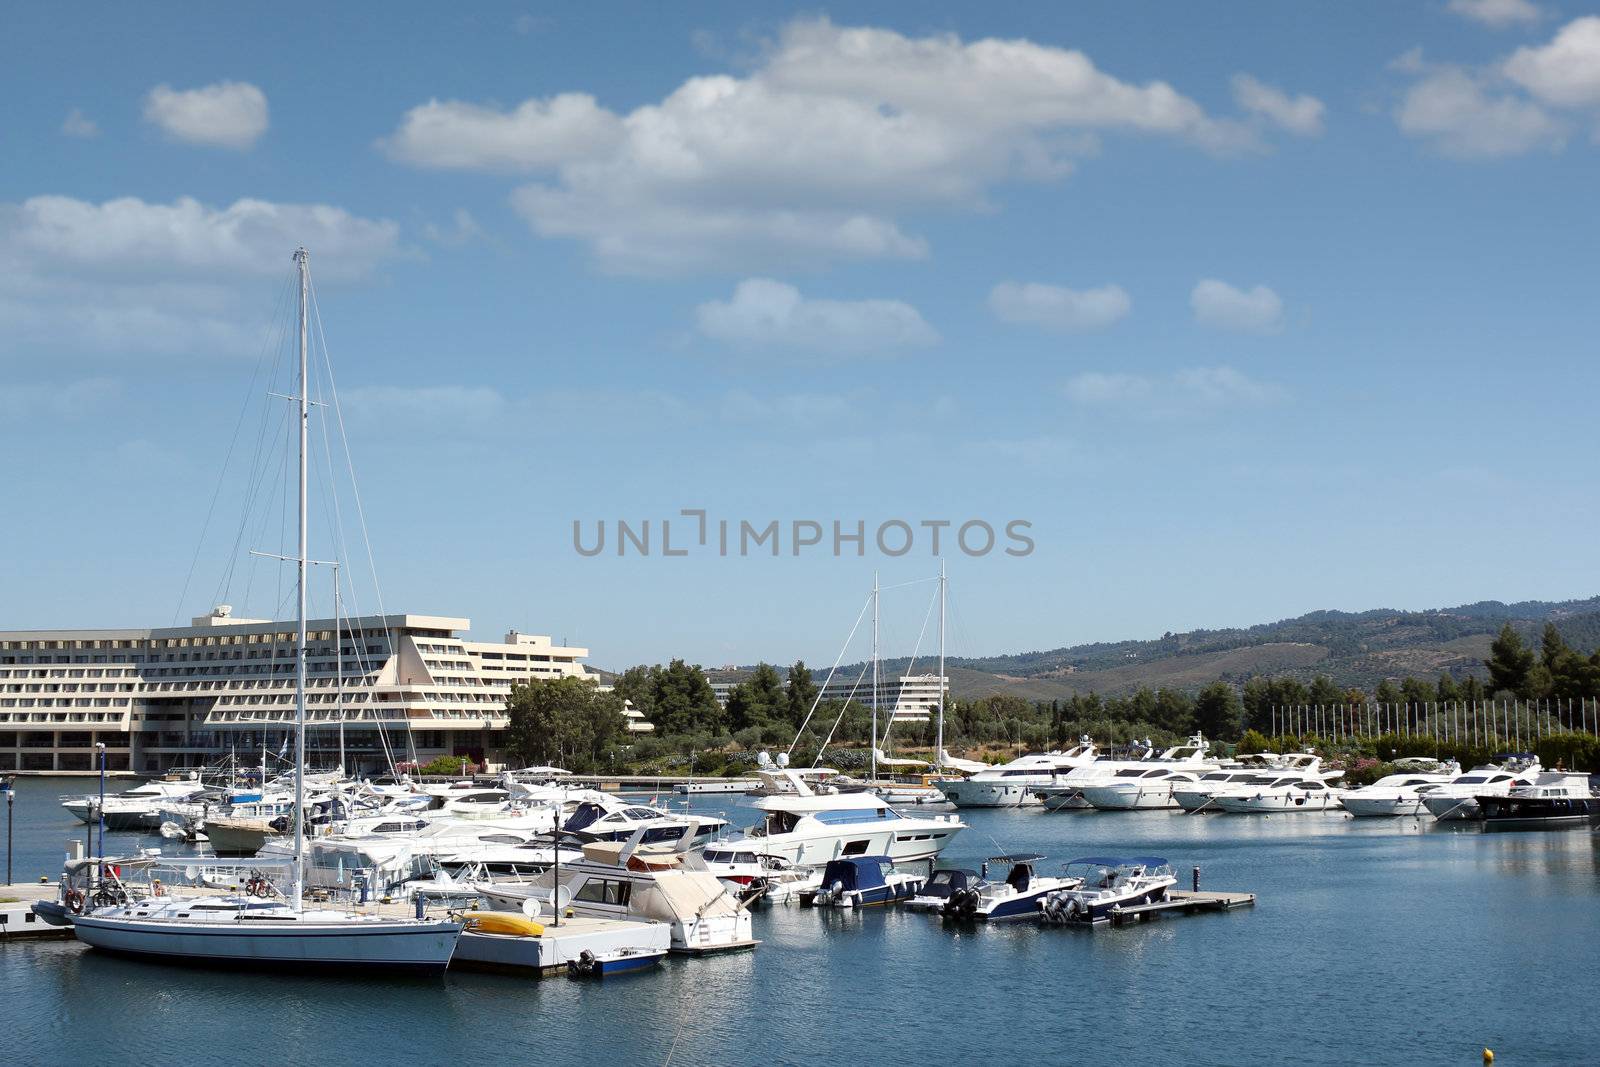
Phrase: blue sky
[1249,310]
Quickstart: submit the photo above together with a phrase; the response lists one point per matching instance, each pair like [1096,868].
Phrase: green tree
[1217,711]
[1510,663]
[801,692]
[1388,693]
[1447,689]
[757,700]
[1324,692]
[1173,711]
[563,721]
[637,685]
[684,700]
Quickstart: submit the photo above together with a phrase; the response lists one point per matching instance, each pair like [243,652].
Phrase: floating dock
[1182,902]
[17,919]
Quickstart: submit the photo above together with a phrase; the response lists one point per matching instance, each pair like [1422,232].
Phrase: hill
[1357,649]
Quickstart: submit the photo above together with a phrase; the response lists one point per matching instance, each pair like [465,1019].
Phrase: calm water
[1375,941]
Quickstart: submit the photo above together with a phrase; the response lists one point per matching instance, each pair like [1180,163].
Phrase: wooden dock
[1182,902]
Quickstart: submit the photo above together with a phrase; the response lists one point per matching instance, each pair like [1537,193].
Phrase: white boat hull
[981,794]
[1273,805]
[1378,807]
[397,944]
[1119,798]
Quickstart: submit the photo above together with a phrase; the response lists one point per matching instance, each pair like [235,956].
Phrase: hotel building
[411,685]
[910,698]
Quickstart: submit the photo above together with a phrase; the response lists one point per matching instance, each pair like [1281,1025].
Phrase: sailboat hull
[409,946]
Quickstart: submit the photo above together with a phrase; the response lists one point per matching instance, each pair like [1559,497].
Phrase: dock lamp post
[11,796]
[101,808]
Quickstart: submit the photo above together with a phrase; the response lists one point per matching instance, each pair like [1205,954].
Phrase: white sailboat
[249,929]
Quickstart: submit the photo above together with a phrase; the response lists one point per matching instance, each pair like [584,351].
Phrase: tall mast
[875,689]
[338,664]
[300,641]
[938,751]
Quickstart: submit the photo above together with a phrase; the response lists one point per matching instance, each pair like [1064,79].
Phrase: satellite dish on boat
[530,908]
[763,758]
[783,759]
[563,897]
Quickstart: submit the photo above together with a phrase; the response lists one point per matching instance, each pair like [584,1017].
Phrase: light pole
[101,746]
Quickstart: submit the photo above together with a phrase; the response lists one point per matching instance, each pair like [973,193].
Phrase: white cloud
[1461,114]
[799,409]
[127,275]
[224,115]
[59,400]
[1497,14]
[77,124]
[1301,115]
[1565,72]
[1216,303]
[1057,308]
[538,134]
[773,315]
[1195,390]
[812,156]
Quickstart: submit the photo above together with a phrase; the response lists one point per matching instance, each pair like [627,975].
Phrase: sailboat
[253,928]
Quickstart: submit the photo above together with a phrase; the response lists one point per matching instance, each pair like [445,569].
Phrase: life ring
[74,901]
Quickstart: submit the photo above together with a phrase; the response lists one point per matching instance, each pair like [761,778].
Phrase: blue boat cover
[856,872]
[1122,861]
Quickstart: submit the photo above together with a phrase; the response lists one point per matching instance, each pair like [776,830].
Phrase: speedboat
[1553,799]
[134,809]
[1066,792]
[860,882]
[1013,784]
[754,877]
[1136,788]
[806,829]
[1017,897]
[1292,791]
[1107,883]
[1395,794]
[1458,798]
[940,886]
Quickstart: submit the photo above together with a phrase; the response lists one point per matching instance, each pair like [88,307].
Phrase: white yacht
[622,880]
[248,929]
[1139,788]
[612,819]
[1458,798]
[807,829]
[1282,791]
[1196,796]
[138,808]
[753,876]
[1013,784]
[1066,792]
[1396,794]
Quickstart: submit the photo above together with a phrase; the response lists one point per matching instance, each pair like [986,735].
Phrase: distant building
[178,696]
[910,698]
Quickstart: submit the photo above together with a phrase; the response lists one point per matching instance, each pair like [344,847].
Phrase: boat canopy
[857,872]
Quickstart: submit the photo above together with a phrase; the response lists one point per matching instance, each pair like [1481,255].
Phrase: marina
[1435,881]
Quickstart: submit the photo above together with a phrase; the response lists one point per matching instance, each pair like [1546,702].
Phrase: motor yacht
[612,819]
[1396,794]
[1458,798]
[1282,791]
[1106,883]
[132,809]
[860,882]
[623,880]
[1139,788]
[807,829]
[1553,799]
[1066,792]
[1018,896]
[1014,784]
